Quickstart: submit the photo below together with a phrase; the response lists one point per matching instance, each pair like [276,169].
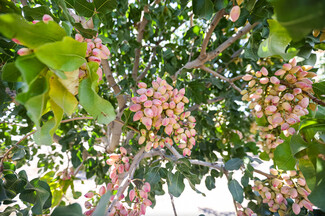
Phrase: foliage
[69,76]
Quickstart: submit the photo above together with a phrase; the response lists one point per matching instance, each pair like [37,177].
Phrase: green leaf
[308,170]
[102,206]
[43,136]
[233,164]
[264,156]
[210,183]
[61,96]
[245,180]
[203,8]
[105,6]
[70,210]
[319,89]
[317,195]
[153,175]
[297,144]
[283,157]
[19,154]
[10,72]
[30,67]
[65,55]
[175,183]
[37,193]
[300,17]
[236,190]
[276,43]
[84,8]
[35,99]
[9,7]
[36,13]
[100,109]
[87,33]
[261,121]
[30,35]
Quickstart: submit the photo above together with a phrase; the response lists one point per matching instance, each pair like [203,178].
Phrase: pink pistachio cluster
[280,98]
[119,164]
[96,51]
[26,51]
[138,197]
[286,185]
[163,106]
[241,211]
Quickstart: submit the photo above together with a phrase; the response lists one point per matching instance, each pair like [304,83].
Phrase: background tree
[86,76]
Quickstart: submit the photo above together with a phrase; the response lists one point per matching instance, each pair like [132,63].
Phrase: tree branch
[112,83]
[211,55]
[213,25]
[116,129]
[220,77]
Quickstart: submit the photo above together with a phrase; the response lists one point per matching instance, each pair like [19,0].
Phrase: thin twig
[173,204]
[221,77]
[76,118]
[11,148]
[145,71]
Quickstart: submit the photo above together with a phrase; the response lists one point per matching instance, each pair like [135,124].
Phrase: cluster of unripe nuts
[96,51]
[241,211]
[281,98]
[162,106]
[284,185]
[137,196]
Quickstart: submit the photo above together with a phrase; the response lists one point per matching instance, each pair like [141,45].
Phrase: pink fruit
[88,205]
[94,59]
[247,77]
[264,80]
[146,187]
[186,151]
[275,80]
[89,195]
[24,51]
[102,190]
[234,13]
[135,107]
[79,37]
[132,195]
[46,18]
[280,72]
[296,208]
[138,115]
[287,67]
[142,139]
